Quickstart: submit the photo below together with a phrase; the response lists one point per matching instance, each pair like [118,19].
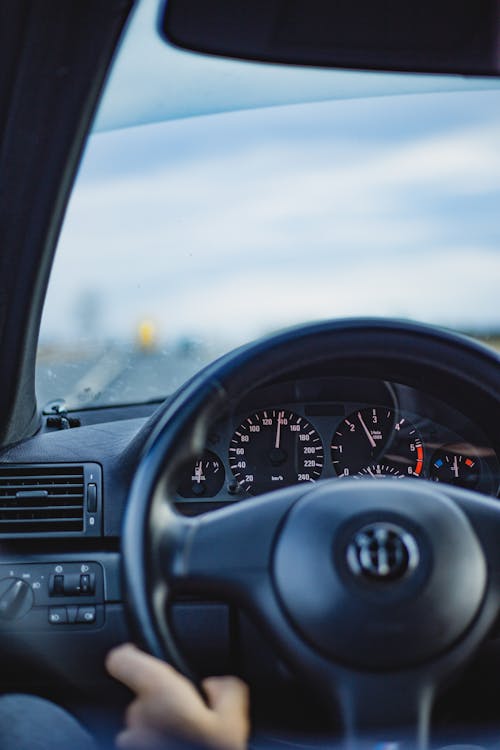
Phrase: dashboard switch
[92,498]
[72,584]
[57,588]
[58,615]
[86,584]
[16,598]
[86,615]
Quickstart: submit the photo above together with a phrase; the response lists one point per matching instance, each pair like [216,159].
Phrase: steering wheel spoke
[385,712]
[226,553]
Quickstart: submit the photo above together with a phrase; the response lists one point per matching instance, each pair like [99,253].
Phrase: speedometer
[274,448]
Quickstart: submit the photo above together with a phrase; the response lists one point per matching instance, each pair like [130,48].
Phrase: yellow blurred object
[146,335]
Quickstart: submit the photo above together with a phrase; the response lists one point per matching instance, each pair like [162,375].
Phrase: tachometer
[377,436]
[274,448]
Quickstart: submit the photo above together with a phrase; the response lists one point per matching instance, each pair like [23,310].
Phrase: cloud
[332,218]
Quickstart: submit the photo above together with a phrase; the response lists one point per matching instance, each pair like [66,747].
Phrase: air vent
[42,499]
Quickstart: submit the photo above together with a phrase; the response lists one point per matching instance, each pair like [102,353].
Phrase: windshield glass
[188,237]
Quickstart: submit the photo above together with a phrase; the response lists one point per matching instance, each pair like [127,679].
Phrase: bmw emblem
[382,552]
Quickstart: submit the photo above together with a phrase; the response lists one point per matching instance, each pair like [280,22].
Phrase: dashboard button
[72,584]
[86,584]
[92,498]
[58,615]
[86,615]
[56,586]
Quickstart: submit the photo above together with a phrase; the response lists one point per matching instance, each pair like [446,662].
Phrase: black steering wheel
[375,592]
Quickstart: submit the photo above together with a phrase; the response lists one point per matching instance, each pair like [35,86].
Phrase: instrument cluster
[317,428]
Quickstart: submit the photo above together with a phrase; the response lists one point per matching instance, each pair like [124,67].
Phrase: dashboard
[313,428]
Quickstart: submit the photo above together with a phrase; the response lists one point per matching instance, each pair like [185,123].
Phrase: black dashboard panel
[313,428]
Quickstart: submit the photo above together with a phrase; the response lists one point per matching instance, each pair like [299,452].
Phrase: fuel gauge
[203,478]
[452,467]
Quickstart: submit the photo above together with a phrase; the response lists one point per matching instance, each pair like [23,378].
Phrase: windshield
[187,237]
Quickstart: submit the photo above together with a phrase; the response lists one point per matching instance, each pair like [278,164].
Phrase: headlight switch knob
[16,598]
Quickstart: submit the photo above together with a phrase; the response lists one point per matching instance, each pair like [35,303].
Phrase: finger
[132,667]
[142,672]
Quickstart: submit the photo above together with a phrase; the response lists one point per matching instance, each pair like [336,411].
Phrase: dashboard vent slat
[6,511]
[40,499]
[31,496]
[8,521]
[32,493]
[6,477]
[39,502]
[11,487]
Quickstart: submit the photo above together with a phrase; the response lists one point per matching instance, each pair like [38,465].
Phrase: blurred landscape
[137,372]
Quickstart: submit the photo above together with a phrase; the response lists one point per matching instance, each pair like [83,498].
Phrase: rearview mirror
[421,36]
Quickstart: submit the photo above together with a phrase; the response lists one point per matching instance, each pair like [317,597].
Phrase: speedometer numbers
[377,442]
[274,448]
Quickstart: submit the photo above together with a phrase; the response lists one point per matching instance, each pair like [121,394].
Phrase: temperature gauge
[455,468]
[204,478]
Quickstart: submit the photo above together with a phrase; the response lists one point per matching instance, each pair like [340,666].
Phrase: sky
[244,217]
[233,224]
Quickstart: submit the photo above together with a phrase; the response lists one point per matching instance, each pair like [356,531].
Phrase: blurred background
[186,238]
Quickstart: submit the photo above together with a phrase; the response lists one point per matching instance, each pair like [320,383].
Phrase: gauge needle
[198,471]
[365,428]
[278,431]
[455,466]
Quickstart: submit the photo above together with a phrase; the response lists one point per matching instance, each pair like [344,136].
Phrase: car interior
[249,521]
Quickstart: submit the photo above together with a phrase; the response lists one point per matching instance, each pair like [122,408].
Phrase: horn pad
[379,575]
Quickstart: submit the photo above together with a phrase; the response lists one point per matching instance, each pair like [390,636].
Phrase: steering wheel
[376,593]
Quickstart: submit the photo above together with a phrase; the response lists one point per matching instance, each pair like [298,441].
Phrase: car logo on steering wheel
[383,552]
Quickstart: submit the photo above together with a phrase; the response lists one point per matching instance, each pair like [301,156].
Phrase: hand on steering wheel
[167,705]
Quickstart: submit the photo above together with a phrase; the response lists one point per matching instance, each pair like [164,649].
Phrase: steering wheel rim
[155,536]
